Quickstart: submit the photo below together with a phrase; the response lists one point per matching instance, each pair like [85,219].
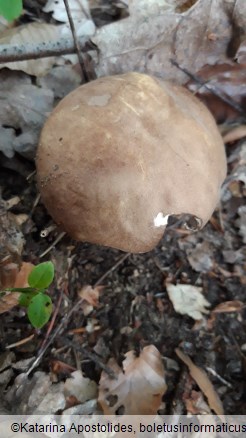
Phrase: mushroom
[119,155]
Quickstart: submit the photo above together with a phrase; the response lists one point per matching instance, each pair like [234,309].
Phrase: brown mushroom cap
[121,153]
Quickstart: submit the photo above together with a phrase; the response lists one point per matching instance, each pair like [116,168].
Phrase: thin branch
[76,43]
[112,269]
[63,46]
[90,355]
[59,237]
[55,333]
[52,322]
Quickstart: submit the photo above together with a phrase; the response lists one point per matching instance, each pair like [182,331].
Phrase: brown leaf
[22,276]
[202,380]
[58,367]
[228,80]
[138,389]
[8,273]
[235,134]
[198,36]
[18,279]
[90,295]
[8,301]
[229,306]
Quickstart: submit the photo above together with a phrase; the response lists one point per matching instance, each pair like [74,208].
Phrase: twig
[66,318]
[215,374]
[21,342]
[31,175]
[56,332]
[76,43]
[46,231]
[210,88]
[59,237]
[121,260]
[92,356]
[52,322]
[63,46]
[36,201]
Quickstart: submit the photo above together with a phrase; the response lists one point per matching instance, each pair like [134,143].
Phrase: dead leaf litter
[120,319]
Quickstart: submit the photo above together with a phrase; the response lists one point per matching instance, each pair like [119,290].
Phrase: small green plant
[34,298]
[10,9]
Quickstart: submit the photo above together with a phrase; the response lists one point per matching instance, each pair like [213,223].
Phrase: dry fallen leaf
[188,300]
[61,80]
[196,404]
[78,9]
[6,372]
[37,33]
[8,273]
[80,13]
[230,256]
[229,306]
[37,395]
[80,387]
[23,274]
[229,81]
[198,36]
[241,53]
[138,389]
[61,368]
[11,237]
[11,246]
[201,257]
[202,380]
[10,299]
[235,134]
[23,111]
[241,222]
[90,295]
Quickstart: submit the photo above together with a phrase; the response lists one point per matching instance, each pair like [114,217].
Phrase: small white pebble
[136,273]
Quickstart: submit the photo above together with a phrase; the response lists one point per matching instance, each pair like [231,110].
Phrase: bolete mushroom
[120,154]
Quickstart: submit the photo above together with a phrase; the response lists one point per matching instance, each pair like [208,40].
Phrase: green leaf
[42,275]
[25,298]
[10,9]
[39,310]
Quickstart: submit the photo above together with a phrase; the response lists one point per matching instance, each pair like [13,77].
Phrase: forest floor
[126,303]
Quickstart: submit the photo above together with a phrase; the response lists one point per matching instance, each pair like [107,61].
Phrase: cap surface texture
[121,153]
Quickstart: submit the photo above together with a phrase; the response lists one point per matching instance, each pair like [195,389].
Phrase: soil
[134,308]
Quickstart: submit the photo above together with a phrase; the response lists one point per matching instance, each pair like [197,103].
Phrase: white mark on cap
[101,100]
[75,108]
[160,220]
